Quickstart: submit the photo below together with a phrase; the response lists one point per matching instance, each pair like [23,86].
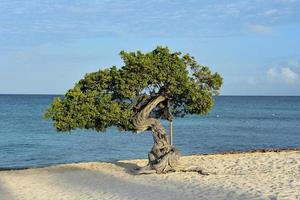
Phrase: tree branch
[143,114]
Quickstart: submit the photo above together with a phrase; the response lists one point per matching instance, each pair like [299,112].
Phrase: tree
[150,86]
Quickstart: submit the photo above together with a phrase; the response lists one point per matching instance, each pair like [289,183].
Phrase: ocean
[236,123]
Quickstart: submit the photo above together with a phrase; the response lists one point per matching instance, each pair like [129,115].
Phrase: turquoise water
[235,123]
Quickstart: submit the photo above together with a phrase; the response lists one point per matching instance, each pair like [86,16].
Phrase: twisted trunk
[162,157]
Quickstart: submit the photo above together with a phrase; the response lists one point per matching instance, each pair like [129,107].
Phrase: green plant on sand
[149,86]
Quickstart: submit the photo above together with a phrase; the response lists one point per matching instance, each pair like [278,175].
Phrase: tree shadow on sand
[5,193]
[130,168]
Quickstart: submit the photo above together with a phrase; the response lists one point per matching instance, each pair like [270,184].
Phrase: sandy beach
[256,175]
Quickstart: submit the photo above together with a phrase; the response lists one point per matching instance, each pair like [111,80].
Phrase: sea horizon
[229,95]
[236,123]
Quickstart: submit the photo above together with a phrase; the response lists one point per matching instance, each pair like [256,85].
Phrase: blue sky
[46,46]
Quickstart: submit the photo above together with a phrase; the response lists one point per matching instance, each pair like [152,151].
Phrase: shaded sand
[270,175]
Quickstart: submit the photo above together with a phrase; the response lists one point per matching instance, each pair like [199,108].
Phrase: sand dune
[271,175]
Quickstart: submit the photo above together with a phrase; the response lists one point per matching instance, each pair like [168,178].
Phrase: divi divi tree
[149,86]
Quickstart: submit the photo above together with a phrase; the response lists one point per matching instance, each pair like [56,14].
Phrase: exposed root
[196,169]
[149,170]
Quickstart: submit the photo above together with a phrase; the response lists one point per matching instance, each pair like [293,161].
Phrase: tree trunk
[162,157]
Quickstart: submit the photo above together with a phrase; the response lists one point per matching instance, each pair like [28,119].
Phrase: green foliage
[111,97]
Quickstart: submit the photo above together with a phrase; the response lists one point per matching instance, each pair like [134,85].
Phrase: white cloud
[293,63]
[284,74]
[56,20]
[272,73]
[270,12]
[260,29]
[289,76]
[286,1]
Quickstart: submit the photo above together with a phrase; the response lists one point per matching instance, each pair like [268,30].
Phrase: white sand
[272,175]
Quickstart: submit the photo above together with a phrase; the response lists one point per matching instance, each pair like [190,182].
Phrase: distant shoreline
[264,150]
[31,94]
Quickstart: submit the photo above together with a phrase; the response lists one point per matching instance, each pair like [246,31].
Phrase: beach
[252,175]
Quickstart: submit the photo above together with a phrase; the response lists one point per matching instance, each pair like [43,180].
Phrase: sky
[47,46]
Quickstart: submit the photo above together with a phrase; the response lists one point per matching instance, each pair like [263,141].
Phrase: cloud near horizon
[284,74]
[287,73]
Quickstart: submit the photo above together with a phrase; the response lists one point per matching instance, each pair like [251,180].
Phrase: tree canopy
[112,96]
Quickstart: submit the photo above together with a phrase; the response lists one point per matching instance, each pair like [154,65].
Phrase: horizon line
[275,95]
